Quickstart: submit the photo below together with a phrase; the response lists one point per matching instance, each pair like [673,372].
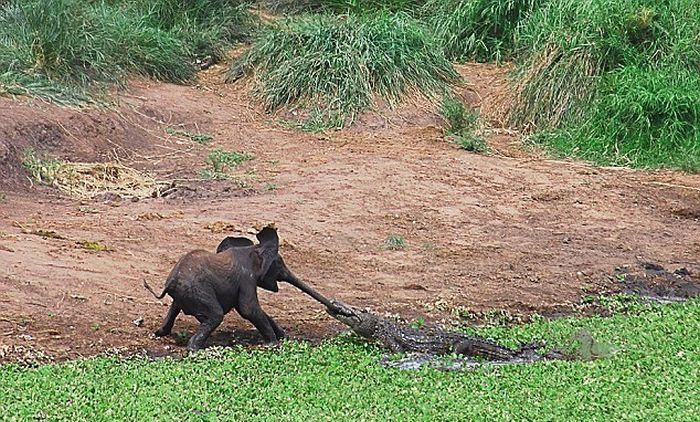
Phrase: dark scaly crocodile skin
[401,338]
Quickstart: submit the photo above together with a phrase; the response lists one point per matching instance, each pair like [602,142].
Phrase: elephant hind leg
[207,323]
[169,320]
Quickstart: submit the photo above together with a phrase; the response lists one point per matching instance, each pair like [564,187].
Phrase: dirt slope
[525,234]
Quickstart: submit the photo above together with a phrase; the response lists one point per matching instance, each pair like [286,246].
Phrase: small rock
[138,321]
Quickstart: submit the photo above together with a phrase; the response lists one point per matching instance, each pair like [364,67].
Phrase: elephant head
[272,267]
[269,265]
[266,261]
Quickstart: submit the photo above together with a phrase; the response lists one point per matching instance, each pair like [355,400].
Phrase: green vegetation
[221,162]
[483,30]
[206,27]
[613,82]
[651,376]
[394,242]
[640,118]
[56,49]
[41,169]
[198,137]
[371,6]
[341,6]
[463,126]
[334,68]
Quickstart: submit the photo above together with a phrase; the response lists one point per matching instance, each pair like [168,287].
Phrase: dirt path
[524,234]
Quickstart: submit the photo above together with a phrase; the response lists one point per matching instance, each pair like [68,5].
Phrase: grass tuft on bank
[332,68]
[58,49]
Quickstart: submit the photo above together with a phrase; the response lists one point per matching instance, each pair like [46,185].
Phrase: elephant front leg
[208,323]
[261,321]
[279,332]
[169,320]
[249,308]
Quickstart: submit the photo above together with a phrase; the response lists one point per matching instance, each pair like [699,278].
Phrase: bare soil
[512,230]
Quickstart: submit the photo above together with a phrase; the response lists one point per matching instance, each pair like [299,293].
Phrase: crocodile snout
[341,309]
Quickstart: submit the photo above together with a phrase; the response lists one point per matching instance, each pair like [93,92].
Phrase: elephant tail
[162,295]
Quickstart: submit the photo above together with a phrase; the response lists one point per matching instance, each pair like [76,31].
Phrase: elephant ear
[268,251]
[234,242]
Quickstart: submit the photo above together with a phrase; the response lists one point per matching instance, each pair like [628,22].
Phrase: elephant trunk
[294,281]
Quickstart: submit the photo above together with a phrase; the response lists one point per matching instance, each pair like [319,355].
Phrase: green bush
[589,67]
[336,67]
[463,126]
[483,30]
[72,40]
[207,27]
[567,45]
[55,48]
[647,118]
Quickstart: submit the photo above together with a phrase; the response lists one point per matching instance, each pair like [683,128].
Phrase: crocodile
[432,341]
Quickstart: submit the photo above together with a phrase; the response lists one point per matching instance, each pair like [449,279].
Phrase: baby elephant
[208,285]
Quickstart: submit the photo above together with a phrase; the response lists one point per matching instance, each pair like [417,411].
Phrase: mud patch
[687,213]
[206,190]
[654,282]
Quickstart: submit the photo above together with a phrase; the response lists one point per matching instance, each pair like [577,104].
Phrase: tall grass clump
[207,27]
[76,41]
[58,48]
[482,30]
[371,6]
[642,118]
[336,67]
[588,67]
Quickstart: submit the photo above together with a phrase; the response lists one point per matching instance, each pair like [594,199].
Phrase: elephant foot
[195,344]
[161,333]
[271,344]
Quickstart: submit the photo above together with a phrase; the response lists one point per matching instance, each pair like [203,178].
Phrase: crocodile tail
[555,354]
[486,349]
[530,351]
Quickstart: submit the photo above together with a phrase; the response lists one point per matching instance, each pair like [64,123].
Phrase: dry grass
[87,180]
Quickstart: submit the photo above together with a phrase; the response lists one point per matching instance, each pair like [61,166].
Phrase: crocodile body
[402,338]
